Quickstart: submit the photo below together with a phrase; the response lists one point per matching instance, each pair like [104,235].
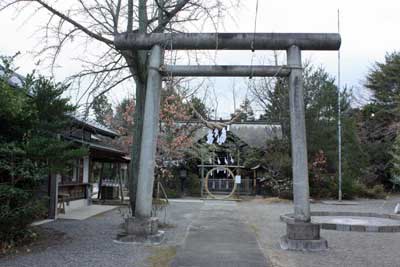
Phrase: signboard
[238,179]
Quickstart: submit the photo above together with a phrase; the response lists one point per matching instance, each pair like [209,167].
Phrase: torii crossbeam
[229,41]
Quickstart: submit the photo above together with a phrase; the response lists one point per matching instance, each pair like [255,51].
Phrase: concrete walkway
[218,237]
[84,213]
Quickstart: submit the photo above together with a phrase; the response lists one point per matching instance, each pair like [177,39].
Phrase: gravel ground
[90,242]
[345,248]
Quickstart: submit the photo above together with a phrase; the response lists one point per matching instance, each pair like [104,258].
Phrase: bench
[62,199]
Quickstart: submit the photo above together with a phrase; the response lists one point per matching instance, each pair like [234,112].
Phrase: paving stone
[225,241]
[357,228]
[341,227]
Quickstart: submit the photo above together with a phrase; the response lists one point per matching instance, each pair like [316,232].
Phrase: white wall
[86,170]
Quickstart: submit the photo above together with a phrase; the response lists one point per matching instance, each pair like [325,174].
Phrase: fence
[226,185]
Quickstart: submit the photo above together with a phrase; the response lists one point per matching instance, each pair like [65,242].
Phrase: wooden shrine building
[87,174]
[226,160]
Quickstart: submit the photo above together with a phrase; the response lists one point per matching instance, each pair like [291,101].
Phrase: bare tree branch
[170,15]
[70,20]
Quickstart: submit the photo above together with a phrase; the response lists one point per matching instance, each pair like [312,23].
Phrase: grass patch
[271,200]
[166,225]
[20,244]
[38,239]
[162,256]
[255,229]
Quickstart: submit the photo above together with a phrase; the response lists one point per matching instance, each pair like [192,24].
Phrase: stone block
[386,229]
[303,231]
[357,228]
[329,226]
[343,227]
[141,226]
[372,229]
[303,245]
[303,236]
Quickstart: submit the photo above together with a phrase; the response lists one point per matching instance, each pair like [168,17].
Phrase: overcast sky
[369,30]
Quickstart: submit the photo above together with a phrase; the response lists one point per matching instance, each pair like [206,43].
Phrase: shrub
[172,193]
[350,188]
[18,209]
[194,184]
[377,191]
[322,183]
[287,193]
[279,188]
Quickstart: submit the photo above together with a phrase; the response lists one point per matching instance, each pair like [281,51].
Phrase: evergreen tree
[45,143]
[102,110]
[384,81]
[246,112]
[320,100]
[277,107]
[200,108]
[395,170]
[32,120]
[16,115]
[379,120]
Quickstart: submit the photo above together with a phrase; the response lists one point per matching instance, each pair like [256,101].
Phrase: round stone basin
[353,221]
[372,221]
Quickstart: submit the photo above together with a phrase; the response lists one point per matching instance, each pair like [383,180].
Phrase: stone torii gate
[301,233]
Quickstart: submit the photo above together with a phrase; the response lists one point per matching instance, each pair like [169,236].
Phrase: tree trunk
[137,137]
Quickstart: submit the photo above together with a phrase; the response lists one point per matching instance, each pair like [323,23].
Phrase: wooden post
[202,176]
[53,186]
[121,190]
[255,182]
[100,181]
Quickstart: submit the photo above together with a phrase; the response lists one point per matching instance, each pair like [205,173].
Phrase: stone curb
[289,218]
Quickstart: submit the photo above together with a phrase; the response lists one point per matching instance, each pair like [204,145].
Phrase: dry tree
[87,28]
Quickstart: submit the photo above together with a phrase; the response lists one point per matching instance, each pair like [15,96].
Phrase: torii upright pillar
[301,234]
[298,136]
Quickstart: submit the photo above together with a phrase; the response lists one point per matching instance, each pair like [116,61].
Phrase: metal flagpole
[339,120]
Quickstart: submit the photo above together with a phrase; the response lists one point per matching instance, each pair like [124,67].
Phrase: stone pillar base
[140,231]
[141,226]
[304,237]
[303,245]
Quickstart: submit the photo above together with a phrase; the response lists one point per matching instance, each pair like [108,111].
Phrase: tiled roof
[15,79]
[95,126]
